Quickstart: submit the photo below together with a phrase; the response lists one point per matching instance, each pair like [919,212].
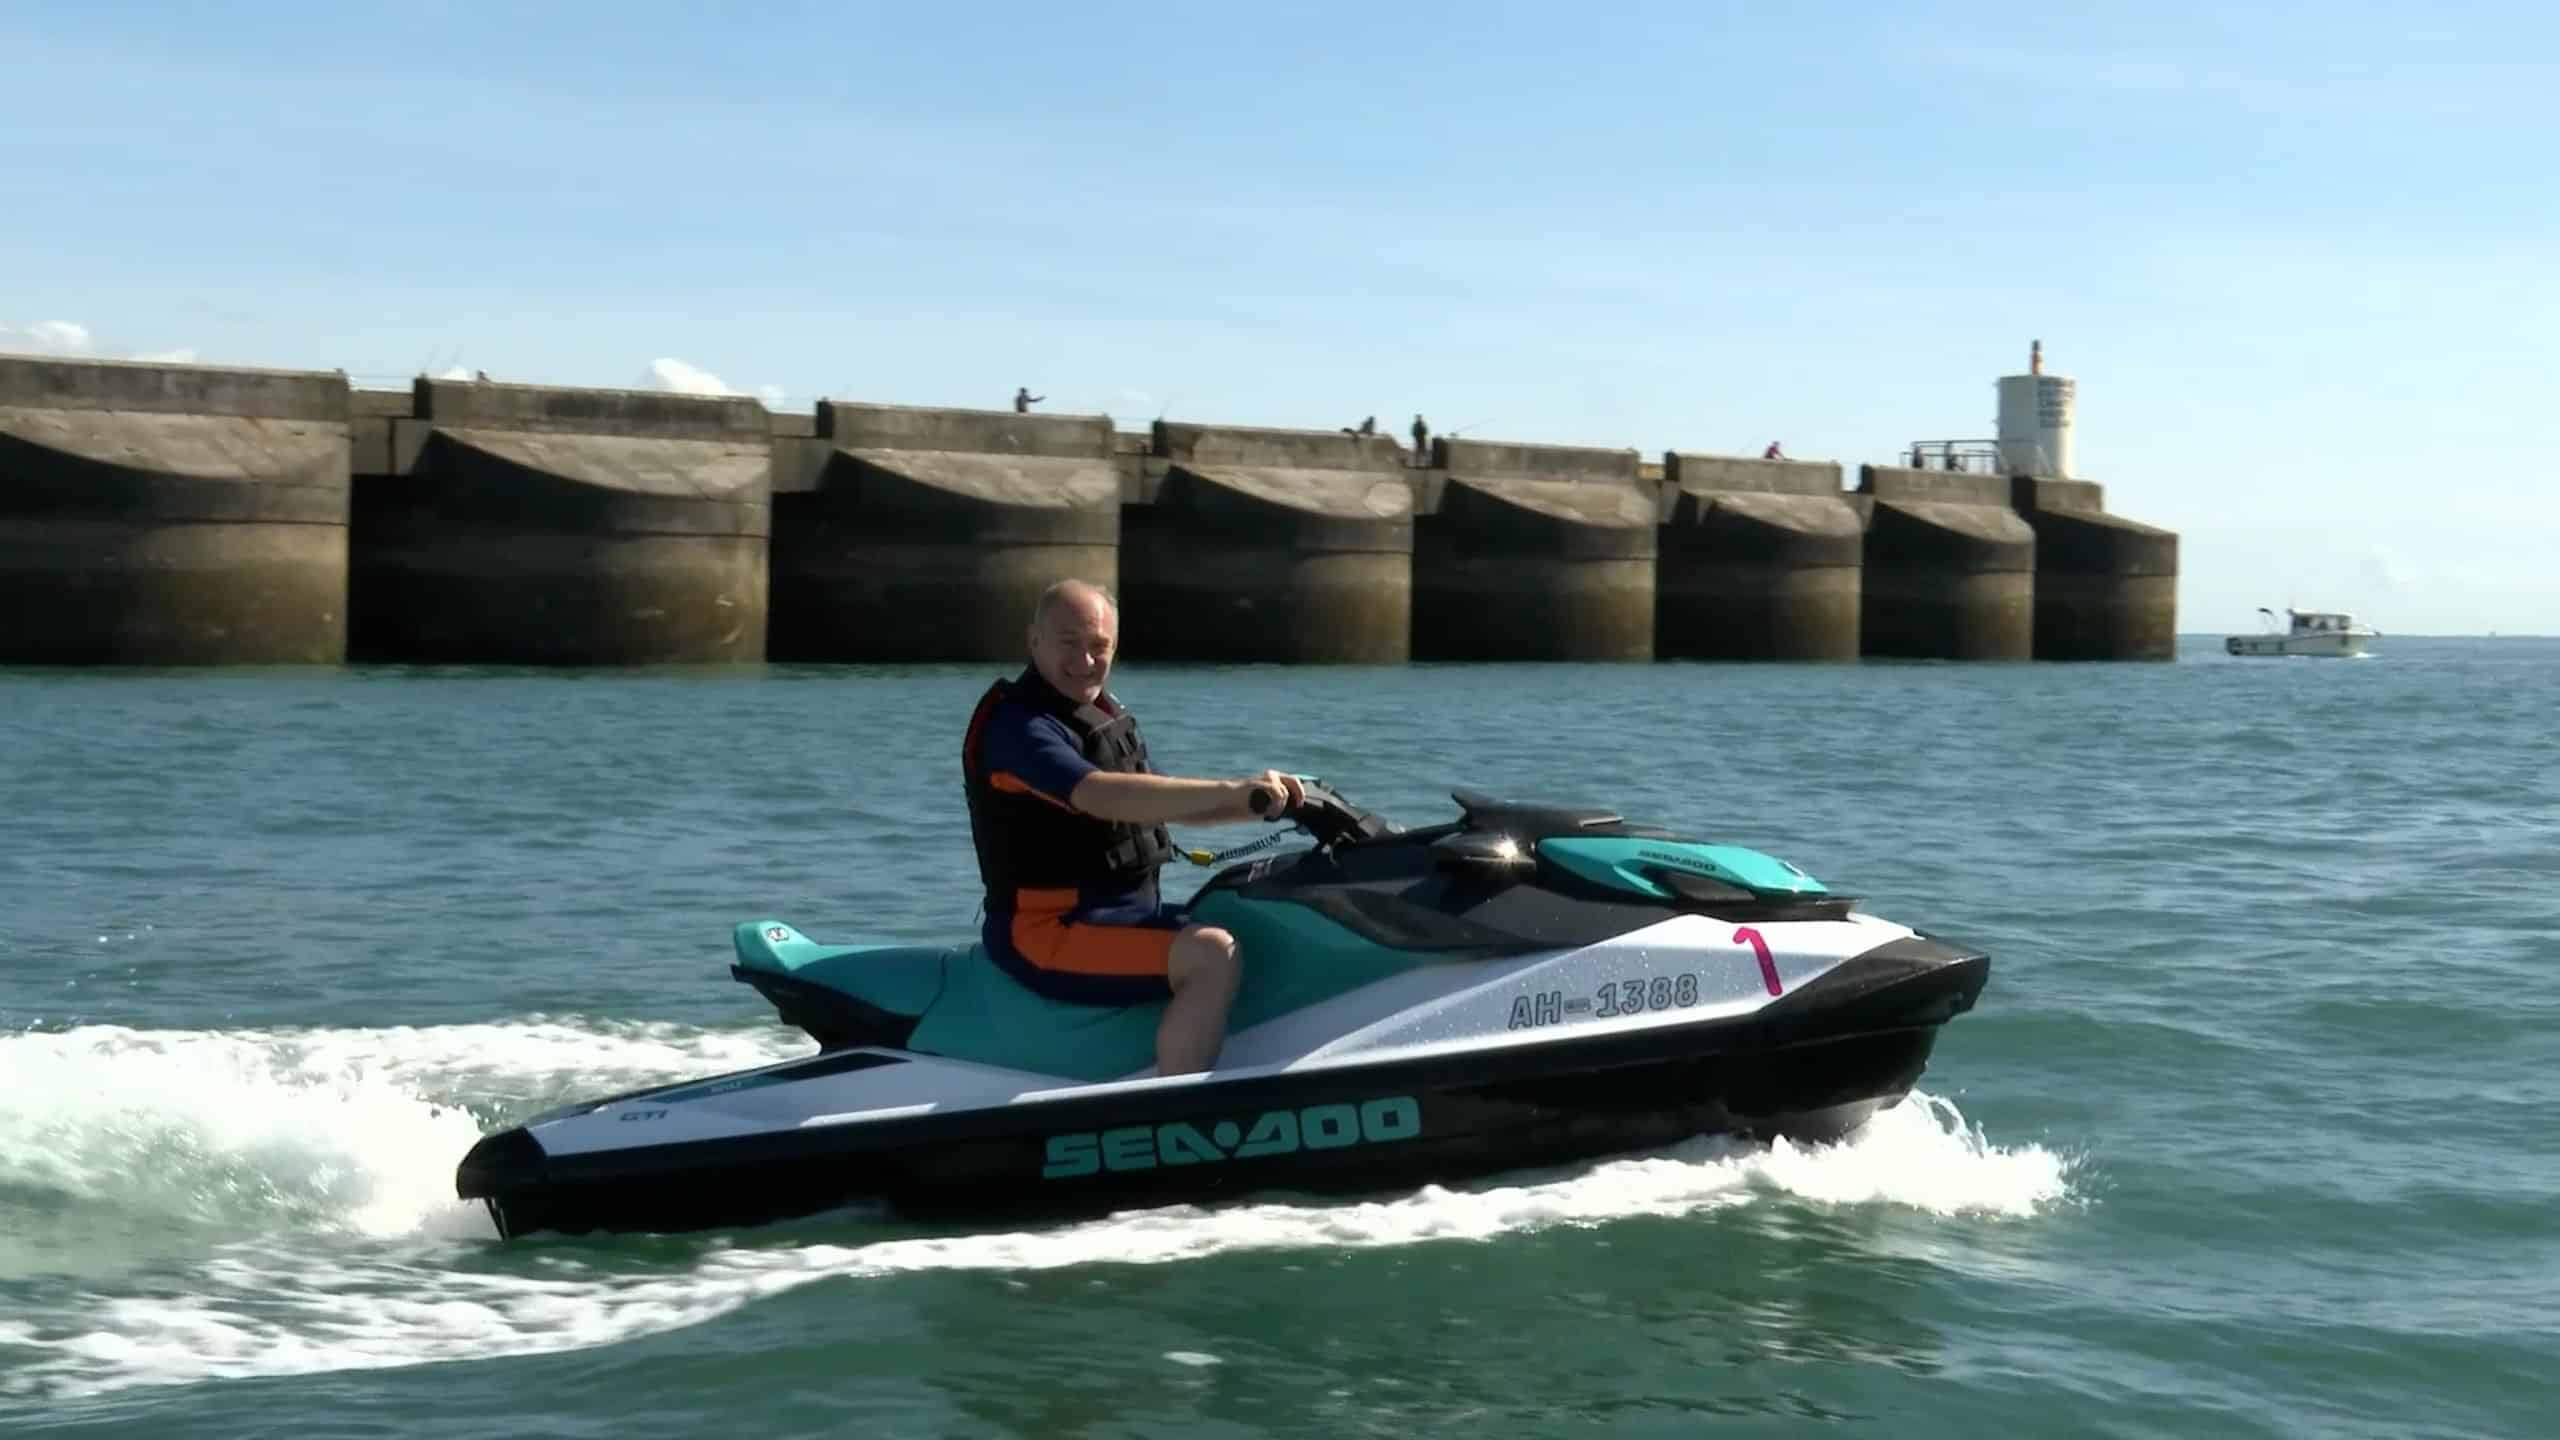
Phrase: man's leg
[1204,972]
[1129,956]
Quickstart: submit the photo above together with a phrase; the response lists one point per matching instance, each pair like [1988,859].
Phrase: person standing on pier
[1023,399]
[1421,442]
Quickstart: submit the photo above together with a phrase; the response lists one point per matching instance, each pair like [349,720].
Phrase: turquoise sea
[2251,1134]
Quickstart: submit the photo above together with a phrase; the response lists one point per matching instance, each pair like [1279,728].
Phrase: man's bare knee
[1203,972]
[1202,951]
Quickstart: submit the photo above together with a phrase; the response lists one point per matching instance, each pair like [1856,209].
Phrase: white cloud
[55,337]
[684,379]
[679,378]
[456,372]
[71,340]
[63,335]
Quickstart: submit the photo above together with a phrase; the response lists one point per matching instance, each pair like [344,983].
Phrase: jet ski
[1525,985]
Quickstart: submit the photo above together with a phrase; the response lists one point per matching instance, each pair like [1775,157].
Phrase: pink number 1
[1759,947]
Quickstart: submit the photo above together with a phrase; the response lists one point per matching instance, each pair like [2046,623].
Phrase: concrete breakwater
[509,524]
[160,514]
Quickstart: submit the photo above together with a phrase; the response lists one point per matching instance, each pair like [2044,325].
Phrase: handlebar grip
[1261,800]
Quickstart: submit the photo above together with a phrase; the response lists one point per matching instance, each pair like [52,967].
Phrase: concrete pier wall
[180,514]
[1950,568]
[1279,545]
[928,534]
[1533,552]
[2106,586]
[171,515]
[526,525]
[1760,561]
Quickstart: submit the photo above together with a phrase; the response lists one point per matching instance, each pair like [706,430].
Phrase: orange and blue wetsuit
[1073,909]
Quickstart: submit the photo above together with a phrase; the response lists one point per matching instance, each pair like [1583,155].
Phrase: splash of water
[330,1130]
[353,1134]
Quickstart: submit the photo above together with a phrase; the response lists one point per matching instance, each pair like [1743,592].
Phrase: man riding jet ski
[1069,823]
[1525,985]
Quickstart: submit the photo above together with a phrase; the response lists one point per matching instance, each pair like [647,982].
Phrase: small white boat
[2311,632]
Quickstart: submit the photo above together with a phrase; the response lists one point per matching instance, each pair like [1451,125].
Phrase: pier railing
[1978,457]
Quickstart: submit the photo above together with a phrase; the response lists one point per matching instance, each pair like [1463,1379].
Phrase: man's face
[1072,644]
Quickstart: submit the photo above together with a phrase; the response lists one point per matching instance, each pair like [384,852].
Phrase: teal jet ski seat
[949,1000]
[955,1002]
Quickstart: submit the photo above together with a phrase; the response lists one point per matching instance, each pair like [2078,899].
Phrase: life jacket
[1025,842]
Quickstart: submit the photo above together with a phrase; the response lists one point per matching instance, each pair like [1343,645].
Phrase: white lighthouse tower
[2035,420]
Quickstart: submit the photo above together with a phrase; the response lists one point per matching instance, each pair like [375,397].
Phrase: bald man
[1069,819]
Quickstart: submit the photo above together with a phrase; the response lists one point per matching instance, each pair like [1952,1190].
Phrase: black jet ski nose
[508,1160]
[1915,980]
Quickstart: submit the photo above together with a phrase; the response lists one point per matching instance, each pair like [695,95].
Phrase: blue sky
[2300,259]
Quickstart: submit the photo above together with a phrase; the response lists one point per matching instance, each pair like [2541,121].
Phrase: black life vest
[1025,842]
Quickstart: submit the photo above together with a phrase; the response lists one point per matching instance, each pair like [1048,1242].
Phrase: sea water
[2249,1134]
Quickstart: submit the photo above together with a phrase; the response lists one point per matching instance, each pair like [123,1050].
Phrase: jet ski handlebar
[1323,814]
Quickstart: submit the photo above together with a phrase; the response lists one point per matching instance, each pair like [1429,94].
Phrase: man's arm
[1036,756]
[1166,799]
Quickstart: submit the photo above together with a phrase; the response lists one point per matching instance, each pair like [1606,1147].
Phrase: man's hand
[1273,795]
